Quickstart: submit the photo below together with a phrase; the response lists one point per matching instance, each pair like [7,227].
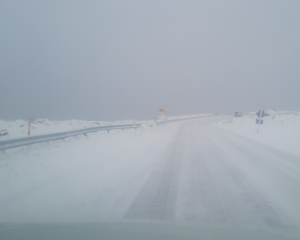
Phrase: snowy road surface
[214,176]
[189,171]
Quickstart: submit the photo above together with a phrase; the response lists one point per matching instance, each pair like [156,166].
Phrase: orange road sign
[161,111]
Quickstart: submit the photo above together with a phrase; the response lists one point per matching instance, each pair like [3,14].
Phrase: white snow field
[212,170]
[280,130]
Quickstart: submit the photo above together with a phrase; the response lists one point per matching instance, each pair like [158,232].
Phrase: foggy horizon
[113,60]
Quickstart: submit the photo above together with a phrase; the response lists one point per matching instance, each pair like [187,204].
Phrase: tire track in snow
[197,181]
[242,201]
[157,198]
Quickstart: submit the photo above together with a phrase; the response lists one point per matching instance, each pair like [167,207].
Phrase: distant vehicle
[238,114]
[3,132]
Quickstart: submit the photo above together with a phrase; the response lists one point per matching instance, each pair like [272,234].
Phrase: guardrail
[175,120]
[24,141]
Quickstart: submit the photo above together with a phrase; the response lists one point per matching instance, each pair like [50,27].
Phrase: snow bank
[281,129]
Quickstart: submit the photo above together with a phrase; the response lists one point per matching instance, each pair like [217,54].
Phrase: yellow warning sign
[161,111]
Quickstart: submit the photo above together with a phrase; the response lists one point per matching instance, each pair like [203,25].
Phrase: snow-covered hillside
[281,129]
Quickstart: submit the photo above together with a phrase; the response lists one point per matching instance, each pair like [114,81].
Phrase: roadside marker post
[259,121]
[29,120]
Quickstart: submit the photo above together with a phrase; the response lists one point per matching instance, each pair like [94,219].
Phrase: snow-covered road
[184,171]
[210,175]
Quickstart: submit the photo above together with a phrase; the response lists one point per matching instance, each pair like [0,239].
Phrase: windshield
[176,118]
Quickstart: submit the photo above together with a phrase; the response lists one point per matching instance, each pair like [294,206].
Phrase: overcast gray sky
[109,60]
